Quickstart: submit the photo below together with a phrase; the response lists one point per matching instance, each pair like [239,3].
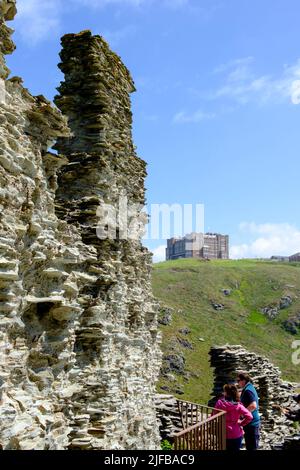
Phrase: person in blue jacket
[249,399]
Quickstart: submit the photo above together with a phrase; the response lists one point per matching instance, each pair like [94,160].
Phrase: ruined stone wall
[275,395]
[79,353]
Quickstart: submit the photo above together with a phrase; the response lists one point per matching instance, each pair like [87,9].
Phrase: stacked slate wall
[79,344]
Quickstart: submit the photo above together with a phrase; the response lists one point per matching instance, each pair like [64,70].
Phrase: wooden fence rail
[201,429]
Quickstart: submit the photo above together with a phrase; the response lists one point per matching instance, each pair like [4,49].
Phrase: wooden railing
[201,430]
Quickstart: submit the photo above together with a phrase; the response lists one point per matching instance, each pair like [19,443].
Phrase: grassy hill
[191,287]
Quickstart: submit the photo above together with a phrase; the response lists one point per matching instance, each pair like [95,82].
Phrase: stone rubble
[184,331]
[79,343]
[165,315]
[185,343]
[276,396]
[273,311]
[168,416]
[292,324]
[218,306]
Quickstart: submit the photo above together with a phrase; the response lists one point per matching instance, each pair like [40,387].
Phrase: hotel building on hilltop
[198,245]
[295,257]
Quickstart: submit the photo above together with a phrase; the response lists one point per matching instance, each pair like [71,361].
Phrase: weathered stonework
[168,415]
[276,395]
[79,353]
[7,13]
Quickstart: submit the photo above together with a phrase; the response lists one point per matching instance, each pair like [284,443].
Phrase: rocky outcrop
[273,311]
[165,315]
[292,324]
[79,353]
[276,395]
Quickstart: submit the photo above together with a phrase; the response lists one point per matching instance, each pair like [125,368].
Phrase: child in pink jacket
[237,416]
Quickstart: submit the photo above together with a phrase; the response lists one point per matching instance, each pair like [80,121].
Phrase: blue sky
[216,113]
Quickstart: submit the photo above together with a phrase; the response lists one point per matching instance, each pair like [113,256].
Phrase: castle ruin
[79,343]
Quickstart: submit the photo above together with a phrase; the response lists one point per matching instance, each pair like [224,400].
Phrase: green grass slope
[189,286]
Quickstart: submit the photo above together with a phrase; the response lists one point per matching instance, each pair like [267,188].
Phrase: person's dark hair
[231,392]
[244,376]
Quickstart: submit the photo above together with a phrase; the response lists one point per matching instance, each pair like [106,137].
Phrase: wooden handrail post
[223,418]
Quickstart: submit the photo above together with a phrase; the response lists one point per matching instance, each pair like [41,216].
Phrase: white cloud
[195,117]
[234,64]
[269,239]
[243,85]
[159,254]
[295,92]
[38,19]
